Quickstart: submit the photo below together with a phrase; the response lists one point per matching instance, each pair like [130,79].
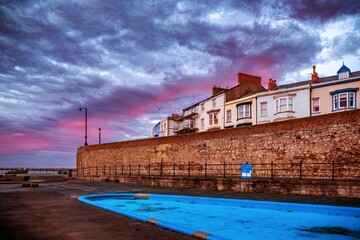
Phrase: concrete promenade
[51,211]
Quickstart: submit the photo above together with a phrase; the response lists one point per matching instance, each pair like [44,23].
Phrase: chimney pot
[314,76]
[272,84]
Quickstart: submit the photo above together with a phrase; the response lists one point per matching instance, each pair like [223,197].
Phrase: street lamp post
[80,109]
[99,135]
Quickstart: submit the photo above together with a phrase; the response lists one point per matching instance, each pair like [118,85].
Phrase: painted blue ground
[235,219]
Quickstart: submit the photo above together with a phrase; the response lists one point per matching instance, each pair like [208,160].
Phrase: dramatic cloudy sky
[131,63]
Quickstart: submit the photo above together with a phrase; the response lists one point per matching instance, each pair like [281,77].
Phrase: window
[244,111]
[214,102]
[202,124]
[335,105]
[315,105]
[263,109]
[213,118]
[202,107]
[284,104]
[343,75]
[352,100]
[291,104]
[228,115]
[344,98]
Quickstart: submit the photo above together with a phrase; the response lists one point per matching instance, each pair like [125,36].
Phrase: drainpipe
[224,111]
[256,110]
[310,90]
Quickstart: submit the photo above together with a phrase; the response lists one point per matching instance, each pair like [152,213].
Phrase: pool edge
[163,224]
[180,228]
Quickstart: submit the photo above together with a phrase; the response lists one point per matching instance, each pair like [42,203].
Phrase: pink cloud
[23,142]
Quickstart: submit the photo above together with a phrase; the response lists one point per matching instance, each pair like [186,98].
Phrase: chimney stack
[272,84]
[244,78]
[314,76]
[216,90]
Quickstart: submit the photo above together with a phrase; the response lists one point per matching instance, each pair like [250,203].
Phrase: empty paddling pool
[222,218]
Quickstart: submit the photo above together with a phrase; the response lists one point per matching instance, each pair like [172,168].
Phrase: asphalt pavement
[52,211]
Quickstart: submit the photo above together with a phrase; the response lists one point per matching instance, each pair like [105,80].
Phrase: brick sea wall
[314,141]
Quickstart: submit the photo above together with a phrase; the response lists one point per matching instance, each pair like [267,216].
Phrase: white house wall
[208,105]
[301,104]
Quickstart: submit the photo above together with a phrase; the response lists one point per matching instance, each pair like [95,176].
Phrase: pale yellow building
[241,112]
[336,93]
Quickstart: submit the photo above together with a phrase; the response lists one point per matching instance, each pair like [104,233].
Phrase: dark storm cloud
[322,10]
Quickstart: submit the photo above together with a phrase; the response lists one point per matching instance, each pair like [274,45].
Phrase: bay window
[244,111]
[344,98]
[284,104]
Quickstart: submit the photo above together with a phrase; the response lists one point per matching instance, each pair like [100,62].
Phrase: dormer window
[344,72]
[344,75]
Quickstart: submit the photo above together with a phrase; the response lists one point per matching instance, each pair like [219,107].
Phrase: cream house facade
[241,112]
[336,93]
[168,125]
[211,113]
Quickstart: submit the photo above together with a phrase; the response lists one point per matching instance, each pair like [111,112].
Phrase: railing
[185,125]
[39,170]
[297,170]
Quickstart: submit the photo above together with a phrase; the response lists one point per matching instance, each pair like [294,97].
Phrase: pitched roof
[322,80]
[242,90]
[254,88]
[343,69]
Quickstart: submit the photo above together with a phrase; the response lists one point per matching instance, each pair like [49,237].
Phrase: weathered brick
[313,140]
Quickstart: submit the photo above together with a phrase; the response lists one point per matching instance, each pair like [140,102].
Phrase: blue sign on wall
[246,171]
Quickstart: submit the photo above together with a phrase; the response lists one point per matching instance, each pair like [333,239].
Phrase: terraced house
[249,103]
[336,93]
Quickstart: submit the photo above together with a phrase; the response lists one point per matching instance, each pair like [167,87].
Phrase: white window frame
[214,102]
[314,105]
[213,118]
[284,104]
[353,97]
[228,115]
[343,98]
[335,102]
[244,111]
[263,110]
[202,124]
[338,99]
[202,106]
[344,75]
